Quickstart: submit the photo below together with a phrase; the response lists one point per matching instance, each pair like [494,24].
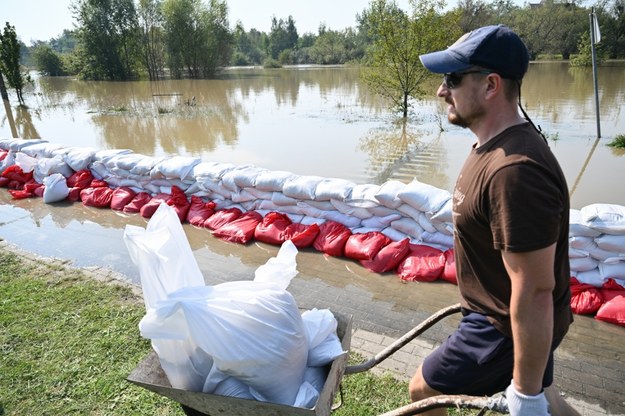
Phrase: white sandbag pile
[597,244]
[417,211]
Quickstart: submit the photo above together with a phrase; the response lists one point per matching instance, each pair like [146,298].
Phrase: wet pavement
[590,363]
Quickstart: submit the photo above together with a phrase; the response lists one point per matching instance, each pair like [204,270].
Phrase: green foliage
[584,57]
[152,38]
[108,35]
[283,35]
[198,37]
[618,142]
[47,61]
[271,63]
[10,61]
[397,40]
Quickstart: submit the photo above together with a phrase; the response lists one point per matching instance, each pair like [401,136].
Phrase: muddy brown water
[307,120]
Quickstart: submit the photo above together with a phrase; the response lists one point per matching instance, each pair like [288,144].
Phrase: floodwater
[307,120]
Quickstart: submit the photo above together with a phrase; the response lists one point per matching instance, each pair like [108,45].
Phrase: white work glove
[520,404]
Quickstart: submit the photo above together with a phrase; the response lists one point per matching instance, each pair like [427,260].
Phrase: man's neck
[493,124]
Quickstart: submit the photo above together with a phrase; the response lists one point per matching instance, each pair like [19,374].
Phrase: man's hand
[520,404]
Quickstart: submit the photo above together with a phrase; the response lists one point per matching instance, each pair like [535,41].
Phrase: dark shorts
[476,360]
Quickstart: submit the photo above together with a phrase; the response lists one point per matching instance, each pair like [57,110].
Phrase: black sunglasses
[452,80]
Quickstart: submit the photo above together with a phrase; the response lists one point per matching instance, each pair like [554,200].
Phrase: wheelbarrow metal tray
[149,375]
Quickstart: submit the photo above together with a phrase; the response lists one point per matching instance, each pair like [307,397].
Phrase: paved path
[590,364]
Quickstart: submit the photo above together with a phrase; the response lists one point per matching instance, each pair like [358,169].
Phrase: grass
[618,142]
[68,342]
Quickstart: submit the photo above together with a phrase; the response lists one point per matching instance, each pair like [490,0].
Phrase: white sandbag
[320,205]
[604,255]
[18,145]
[364,192]
[340,206]
[104,155]
[576,253]
[364,230]
[583,264]
[308,220]
[612,270]
[43,150]
[582,243]
[79,158]
[578,227]
[445,214]
[240,177]
[443,227]
[381,221]
[408,226]
[382,211]
[387,194]
[259,194]
[591,277]
[424,197]
[180,167]
[324,345]
[610,242]
[242,196]
[25,162]
[301,187]
[394,234]
[279,198]
[426,224]
[346,220]
[9,160]
[55,188]
[410,211]
[211,170]
[334,188]
[272,181]
[607,218]
[125,161]
[49,166]
[437,238]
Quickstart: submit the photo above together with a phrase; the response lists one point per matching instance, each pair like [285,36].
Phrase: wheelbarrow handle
[457,401]
[405,339]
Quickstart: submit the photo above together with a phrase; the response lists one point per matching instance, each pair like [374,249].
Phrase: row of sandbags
[390,227]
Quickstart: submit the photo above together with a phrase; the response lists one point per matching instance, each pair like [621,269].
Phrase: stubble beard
[466,120]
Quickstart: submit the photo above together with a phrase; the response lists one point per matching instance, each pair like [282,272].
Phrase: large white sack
[252,330]
[48,166]
[609,242]
[211,170]
[301,187]
[272,181]
[614,270]
[324,345]
[26,162]
[445,213]
[578,227]
[241,177]
[340,206]
[381,221]
[583,264]
[79,158]
[55,188]
[424,197]
[607,218]
[334,188]
[387,194]
[408,226]
[180,167]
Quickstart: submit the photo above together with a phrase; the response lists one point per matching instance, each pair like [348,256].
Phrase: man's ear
[494,85]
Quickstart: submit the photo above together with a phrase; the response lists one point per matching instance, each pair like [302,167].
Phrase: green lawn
[68,341]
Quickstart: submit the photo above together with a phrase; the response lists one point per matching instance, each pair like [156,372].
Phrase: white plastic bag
[55,188]
[323,343]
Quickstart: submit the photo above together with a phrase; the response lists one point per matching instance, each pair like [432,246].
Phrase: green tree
[64,43]
[198,37]
[151,20]
[247,48]
[10,61]
[584,57]
[329,48]
[394,69]
[283,35]
[108,35]
[47,61]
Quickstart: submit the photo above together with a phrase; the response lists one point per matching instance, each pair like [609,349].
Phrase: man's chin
[456,121]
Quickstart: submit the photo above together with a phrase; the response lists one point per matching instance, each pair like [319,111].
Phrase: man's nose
[442,91]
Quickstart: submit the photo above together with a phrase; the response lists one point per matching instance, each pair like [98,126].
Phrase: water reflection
[322,121]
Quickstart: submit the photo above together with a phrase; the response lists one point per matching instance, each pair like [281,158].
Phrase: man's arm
[531,313]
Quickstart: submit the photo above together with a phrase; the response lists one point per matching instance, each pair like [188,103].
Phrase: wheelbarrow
[149,375]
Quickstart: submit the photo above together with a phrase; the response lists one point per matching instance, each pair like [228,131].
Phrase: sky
[46,19]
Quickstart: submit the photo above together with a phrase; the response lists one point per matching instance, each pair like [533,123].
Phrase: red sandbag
[332,238]
[271,229]
[152,205]
[3,155]
[613,311]
[96,197]
[74,194]
[422,264]
[4,182]
[137,203]
[179,202]
[585,299]
[611,284]
[610,289]
[15,173]
[389,257]
[30,189]
[240,230]
[301,235]
[199,211]
[98,183]
[81,179]
[222,217]
[449,272]
[39,191]
[364,246]
[20,194]
[121,197]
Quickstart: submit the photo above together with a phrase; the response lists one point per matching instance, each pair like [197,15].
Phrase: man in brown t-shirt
[511,214]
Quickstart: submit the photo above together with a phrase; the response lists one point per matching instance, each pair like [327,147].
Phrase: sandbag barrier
[395,227]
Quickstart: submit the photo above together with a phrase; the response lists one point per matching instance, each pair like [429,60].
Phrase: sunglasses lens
[452,80]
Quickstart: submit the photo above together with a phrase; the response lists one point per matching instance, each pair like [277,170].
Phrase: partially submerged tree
[10,61]
[393,66]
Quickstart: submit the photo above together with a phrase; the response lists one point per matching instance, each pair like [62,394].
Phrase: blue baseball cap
[496,48]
